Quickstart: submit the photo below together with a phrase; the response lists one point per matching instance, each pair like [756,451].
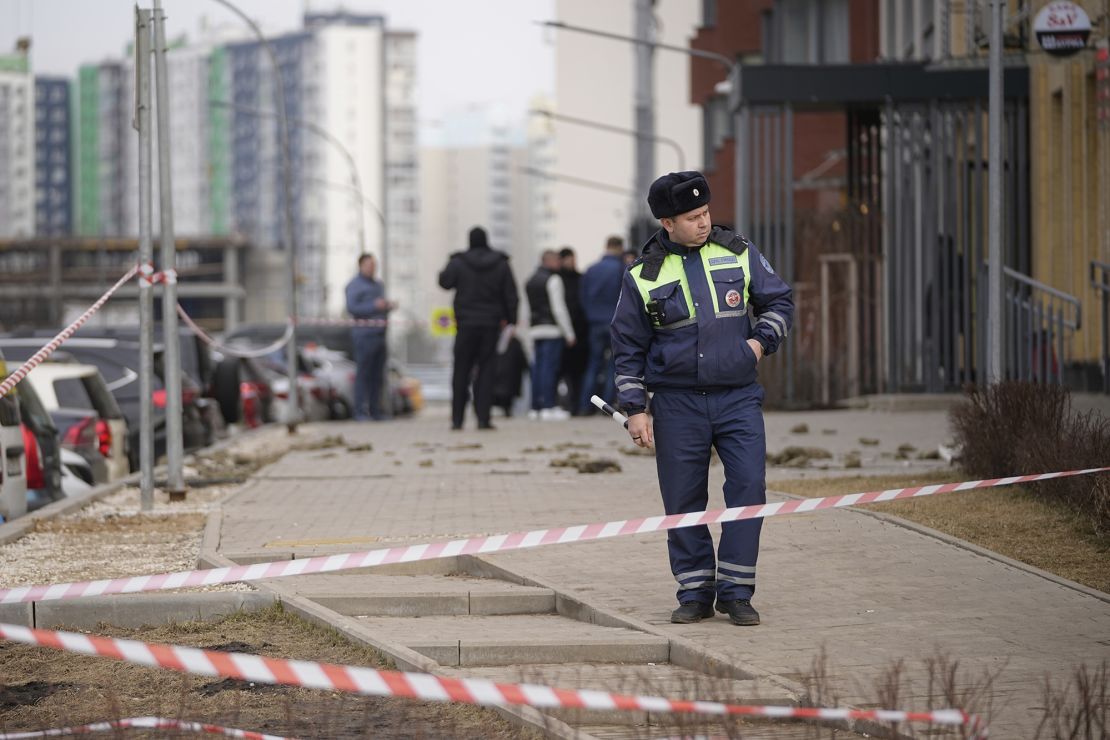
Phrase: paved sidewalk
[866,591]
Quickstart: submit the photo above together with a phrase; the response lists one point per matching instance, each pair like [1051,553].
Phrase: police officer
[683,329]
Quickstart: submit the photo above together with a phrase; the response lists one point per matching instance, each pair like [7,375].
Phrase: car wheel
[226,389]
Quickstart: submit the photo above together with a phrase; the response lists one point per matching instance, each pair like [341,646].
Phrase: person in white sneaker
[551,330]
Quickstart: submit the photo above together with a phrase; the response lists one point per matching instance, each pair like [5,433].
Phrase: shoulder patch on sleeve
[766,265]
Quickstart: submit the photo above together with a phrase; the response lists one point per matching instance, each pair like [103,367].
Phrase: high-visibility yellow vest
[720,264]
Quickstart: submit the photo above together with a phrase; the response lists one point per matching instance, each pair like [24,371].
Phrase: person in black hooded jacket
[486,300]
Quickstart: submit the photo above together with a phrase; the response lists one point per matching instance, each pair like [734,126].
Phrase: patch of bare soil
[42,688]
[1011,521]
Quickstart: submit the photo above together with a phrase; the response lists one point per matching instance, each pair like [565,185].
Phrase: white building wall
[594,80]
[17,154]
[351,109]
[402,176]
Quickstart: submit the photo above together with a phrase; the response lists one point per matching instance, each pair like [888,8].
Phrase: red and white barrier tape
[40,356]
[141,723]
[149,278]
[308,321]
[427,687]
[234,351]
[493,543]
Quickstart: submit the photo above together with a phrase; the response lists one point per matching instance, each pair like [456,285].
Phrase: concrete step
[651,679]
[518,639]
[365,595]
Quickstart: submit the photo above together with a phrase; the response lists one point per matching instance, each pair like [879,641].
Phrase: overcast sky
[497,56]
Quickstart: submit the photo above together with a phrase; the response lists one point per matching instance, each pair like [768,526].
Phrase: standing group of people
[569,315]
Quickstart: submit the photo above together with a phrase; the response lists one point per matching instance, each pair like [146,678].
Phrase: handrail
[1037,285]
[1105,267]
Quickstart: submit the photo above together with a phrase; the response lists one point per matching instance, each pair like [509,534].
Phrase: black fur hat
[677,192]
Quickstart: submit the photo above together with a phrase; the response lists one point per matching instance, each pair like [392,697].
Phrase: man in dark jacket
[573,364]
[366,300]
[600,288]
[486,300]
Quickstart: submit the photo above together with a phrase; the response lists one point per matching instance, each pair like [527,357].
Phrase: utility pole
[644,116]
[288,230]
[994,169]
[146,254]
[175,452]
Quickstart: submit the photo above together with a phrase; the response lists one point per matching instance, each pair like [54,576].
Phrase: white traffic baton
[616,415]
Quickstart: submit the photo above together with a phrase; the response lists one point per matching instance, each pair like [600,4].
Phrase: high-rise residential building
[592,193]
[475,174]
[349,96]
[104,114]
[402,173]
[338,88]
[17,144]
[53,157]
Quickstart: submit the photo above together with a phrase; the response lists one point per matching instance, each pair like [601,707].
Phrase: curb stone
[402,657]
[965,545]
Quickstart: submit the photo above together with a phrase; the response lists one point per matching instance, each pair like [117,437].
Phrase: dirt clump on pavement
[798,457]
[585,464]
[42,688]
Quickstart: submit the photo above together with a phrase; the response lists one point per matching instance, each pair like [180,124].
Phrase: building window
[709,13]
[808,32]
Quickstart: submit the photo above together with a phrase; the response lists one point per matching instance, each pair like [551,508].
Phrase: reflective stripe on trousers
[687,425]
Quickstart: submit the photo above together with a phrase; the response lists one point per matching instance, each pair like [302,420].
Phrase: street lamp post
[175,475]
[289,231]
[679,153]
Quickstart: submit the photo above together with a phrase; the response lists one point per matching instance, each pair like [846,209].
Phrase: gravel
[112,538]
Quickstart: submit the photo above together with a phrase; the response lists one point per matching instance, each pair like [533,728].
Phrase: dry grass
[1011,521]
[42,688]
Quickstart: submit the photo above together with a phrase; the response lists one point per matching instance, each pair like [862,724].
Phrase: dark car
[198,372]
[118,362]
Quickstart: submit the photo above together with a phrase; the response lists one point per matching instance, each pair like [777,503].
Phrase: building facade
[592,176]
[17,144]
[53,157]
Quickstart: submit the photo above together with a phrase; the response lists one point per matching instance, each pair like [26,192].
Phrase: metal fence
[1100,281]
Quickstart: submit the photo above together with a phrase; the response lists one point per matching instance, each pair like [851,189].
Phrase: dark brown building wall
[739,30]
[863,46]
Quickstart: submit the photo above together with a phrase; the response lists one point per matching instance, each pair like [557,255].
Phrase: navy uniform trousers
[687,424]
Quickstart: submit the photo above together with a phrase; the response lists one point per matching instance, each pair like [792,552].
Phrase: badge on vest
[732,298]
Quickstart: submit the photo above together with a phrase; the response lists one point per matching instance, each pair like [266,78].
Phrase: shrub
[1019,428]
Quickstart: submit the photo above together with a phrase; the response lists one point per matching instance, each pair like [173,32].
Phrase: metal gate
[891,302]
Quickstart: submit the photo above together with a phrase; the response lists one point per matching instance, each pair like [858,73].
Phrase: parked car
[406,392]
[198,373]
[13,478]
[339,373]
[42,450]
[86,414]
[118,362]
[242,387]
[313,393]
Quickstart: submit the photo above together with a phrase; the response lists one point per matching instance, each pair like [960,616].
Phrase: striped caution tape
[141,723]
[494,543]
[236,351]
[427,687]
[40,356]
